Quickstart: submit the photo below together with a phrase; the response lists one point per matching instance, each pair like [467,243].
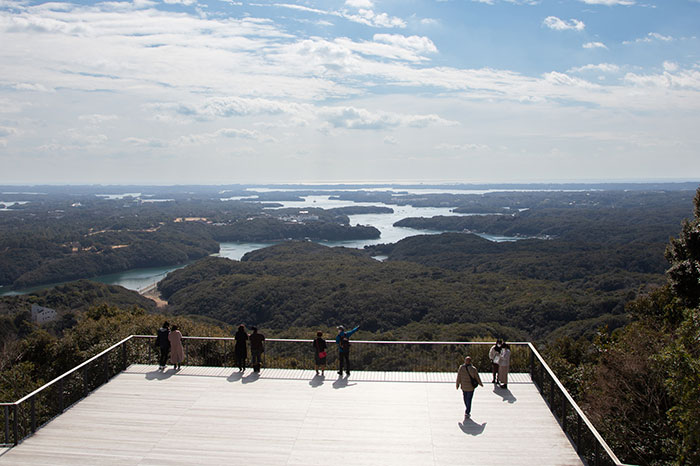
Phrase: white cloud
[416,43]
[97,118]
[359,118]
[672,78]
[370,18]
[32,87]
[608,2]
[552,22]
[7,131]
[390,140]
[143,142]
[601,67]
[463,147]
[365,16]
[594,45]
[359,3]
[651,37]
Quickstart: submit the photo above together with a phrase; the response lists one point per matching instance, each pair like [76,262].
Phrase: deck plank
[289,417]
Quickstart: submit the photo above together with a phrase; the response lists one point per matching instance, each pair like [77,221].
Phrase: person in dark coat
[343,342]
[320,353]
[163,344]
[257,348]
[241,348]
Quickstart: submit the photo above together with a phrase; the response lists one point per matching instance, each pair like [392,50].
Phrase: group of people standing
[468,375]
[499,354]
[257,348]
[321,351]
[169,341]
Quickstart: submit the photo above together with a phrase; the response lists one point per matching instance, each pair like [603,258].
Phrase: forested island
[610,292]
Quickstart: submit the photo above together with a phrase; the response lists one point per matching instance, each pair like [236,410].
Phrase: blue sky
[188,91]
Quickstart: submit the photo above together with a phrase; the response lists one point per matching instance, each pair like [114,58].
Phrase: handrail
[75,369]
[386,342]
[576,408]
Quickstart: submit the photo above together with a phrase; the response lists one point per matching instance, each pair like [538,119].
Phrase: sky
[219,92]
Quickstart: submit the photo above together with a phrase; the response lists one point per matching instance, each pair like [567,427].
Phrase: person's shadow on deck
[235,377]
[317,381]
[342,383]
[250,378]
[506,394]
[160,375]
[470,427]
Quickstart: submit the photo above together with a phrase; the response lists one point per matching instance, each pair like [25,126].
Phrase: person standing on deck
[241,349]
[467,379]
[320,353]
[504,365]
[163,344]
[494,356]
[343,342]
[177,353]
[257,348]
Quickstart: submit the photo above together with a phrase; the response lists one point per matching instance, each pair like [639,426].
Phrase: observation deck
[119,409]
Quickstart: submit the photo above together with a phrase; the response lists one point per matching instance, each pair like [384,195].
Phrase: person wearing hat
[343,342]
[257,348]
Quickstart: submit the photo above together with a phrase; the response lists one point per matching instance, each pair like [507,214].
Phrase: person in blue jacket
[343,342]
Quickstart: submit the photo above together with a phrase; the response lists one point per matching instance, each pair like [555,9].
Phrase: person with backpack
[163,345]
[257,348]
[468,379]
[343,342]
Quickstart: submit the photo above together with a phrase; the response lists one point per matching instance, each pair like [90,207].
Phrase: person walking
[163,344]
[504,365]
[343,342]
[177,353]
[320,353]
[468,379]
[257,348]
[241,349]
[494,356]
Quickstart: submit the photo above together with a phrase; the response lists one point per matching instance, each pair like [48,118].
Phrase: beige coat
[504,366]
[463,379]
[177,353]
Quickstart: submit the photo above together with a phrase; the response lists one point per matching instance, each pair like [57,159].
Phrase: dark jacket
[241,338]
[256,342]
[162,338]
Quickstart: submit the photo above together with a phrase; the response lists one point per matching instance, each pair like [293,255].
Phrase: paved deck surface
[217,416]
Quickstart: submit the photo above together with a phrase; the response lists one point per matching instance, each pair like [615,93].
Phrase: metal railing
[23,417]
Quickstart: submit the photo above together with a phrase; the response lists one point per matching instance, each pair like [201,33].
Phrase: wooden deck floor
[217,416]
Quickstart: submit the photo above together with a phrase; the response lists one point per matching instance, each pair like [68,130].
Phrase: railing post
[85,380]
[532,362]
[597,453]
[124,361]
[551,396]
[60,395]
[563,414]
[105,366]
[15,423]
[32,413]
[150,352]
[186,355]
[578,434]
[7,424]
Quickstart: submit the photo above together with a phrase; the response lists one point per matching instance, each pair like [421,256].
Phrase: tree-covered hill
[305,284]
